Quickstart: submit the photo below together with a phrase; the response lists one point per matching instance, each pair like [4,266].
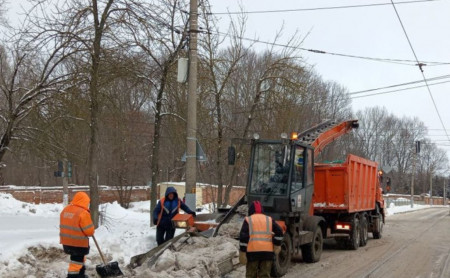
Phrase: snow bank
[10,206]
[200,257]
[393,209]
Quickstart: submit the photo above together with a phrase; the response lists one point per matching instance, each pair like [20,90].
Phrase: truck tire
[311,252]
[378,229]
[355,234]
[364,231]
[283,259]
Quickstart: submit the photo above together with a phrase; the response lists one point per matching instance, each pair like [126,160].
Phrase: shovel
[107,270]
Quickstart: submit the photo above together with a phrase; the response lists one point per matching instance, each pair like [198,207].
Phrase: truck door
[302,179]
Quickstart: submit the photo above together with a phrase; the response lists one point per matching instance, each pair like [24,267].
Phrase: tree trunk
[156,137]
[219,152]
[99,25]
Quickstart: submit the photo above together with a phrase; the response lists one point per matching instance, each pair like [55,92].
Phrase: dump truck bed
[345,187]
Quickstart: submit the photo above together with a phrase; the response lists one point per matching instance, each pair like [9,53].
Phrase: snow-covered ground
[29,239]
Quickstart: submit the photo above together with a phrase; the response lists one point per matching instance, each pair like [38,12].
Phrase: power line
[318,8]
[421,70]
[316,51]
[401,84]
[352,97]
[398,90]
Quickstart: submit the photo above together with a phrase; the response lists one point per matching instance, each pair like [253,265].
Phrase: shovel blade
[110,270]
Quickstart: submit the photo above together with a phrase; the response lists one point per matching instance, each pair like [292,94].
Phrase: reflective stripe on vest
[167,210]
[260,232]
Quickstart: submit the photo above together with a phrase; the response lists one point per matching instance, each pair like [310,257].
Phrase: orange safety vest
[76,223]
[177,209]
[260,232]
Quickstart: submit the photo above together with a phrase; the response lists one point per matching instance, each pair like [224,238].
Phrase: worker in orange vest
[259,240]
[163,213]
[75,228]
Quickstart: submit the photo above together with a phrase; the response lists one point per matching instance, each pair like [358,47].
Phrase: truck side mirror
[231,155]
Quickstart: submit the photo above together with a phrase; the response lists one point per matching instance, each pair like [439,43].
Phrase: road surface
[414,245]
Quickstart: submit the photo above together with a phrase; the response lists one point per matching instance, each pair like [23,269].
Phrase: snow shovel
[106,270]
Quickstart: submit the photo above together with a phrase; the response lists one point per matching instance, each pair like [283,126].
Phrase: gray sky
[370,32]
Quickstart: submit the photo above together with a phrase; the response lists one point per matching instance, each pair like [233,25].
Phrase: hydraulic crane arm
[322,134]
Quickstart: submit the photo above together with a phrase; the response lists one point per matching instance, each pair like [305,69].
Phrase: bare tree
[267,80]
[31,73]
[220,65]
[160,31]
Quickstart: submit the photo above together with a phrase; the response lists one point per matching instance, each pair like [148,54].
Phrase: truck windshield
[271,166]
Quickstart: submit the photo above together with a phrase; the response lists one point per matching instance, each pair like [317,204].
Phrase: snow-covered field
[29,245]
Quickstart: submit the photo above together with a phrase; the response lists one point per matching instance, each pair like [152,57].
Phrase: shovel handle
[99,251]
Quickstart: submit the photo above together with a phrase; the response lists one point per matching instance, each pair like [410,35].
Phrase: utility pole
[191,140]
[431,188]
[444,201]
[417,150]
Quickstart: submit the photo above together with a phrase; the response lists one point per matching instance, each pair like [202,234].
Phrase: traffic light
[69,169]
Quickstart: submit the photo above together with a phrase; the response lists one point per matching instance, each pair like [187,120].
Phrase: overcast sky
[365,31]
[370,32]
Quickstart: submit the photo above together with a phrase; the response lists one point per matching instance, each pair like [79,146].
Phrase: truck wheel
[378,229]
[355,237]
[283,259]
[364,231]
[311,252]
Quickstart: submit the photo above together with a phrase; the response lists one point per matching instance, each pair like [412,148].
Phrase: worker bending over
[165,210]
[259,240]
[75,228]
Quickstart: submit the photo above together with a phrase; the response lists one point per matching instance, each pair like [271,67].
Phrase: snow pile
[199,258]
[11,206]
[233,227]
[393,209]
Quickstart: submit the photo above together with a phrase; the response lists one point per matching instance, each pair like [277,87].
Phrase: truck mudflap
[305,237]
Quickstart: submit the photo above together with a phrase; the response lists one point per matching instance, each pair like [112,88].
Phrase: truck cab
[281,176]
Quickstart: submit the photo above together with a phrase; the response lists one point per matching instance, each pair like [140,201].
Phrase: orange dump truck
[349,197]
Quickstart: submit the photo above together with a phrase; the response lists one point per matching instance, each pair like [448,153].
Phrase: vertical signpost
[65,182]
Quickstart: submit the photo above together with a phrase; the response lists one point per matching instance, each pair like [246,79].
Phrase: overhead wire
[421,69]
[354,96]
[400,84]
[318,8]
[316,51]
[397,90]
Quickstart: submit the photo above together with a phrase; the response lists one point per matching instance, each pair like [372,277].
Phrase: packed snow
[30,248]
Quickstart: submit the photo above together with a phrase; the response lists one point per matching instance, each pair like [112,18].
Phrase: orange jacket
[76,223]
[260,232]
